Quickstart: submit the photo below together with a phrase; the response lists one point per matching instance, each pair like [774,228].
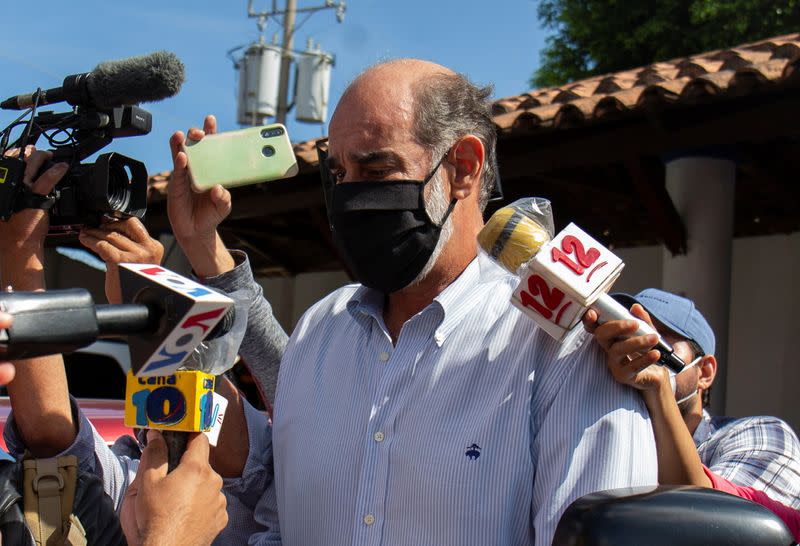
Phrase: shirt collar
[453,302]
[703,430]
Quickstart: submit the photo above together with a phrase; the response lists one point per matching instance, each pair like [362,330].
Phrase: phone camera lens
[268,151]
[271,132]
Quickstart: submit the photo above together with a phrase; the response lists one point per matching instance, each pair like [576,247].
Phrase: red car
[106,415]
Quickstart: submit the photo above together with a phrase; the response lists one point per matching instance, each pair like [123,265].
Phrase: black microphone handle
[126,319]
[176,441]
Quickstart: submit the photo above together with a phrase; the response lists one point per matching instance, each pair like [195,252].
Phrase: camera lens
[268,151]
[118,187]
[271,132]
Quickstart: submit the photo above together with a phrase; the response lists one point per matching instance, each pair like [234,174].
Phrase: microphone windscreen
[511,238]
[224,325]
[145,78]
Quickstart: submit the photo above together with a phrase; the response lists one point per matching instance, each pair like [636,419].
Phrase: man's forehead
[354,137]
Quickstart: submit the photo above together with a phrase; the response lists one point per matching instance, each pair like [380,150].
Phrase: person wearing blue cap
[745,456]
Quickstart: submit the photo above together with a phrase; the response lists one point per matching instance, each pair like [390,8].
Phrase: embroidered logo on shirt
[473,452]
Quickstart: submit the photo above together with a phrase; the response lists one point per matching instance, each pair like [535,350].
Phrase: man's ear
[467,156]
[708,371]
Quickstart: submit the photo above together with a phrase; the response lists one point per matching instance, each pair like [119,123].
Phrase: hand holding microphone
[561,277]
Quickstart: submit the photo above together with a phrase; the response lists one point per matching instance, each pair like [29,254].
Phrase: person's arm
[264,341]
[39,397]
[588,433]
[678,461]
[194,218]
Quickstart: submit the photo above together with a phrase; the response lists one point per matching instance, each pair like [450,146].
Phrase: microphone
[165,317]
[145,78]
[561,277]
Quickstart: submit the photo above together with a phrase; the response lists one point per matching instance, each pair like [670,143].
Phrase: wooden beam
[647,178]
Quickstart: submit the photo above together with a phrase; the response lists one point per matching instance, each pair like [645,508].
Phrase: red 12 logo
[551,298]
[572,245]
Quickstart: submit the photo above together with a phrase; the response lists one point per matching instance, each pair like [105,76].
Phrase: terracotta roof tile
[712,75]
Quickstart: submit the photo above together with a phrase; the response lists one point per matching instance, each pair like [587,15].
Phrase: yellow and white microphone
[561,276]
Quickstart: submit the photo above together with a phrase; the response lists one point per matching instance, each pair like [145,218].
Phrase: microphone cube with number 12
[564,278]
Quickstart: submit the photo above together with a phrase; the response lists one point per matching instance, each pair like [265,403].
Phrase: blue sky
[492,42]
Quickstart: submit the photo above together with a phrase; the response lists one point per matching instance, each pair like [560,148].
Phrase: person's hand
[121,241]
[194,217]
[183,508]
[7,370]
[25,231]
[631,360]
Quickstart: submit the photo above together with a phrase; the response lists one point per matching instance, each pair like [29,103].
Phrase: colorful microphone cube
[191,312]
[181,401]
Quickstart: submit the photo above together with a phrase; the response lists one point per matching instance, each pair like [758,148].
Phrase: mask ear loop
[325,177]
[425,183]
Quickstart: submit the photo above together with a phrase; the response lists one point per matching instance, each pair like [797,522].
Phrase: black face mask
[381,229]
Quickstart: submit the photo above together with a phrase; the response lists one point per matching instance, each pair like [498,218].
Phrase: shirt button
[384,356]
[438,338]
[369,519]
[378,436]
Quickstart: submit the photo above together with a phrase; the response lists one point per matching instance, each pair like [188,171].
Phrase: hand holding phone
[238,158]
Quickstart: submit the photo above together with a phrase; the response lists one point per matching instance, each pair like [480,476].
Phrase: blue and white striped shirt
[476,428]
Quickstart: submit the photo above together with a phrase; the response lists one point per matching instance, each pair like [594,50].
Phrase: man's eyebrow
[378,156]
[367,158]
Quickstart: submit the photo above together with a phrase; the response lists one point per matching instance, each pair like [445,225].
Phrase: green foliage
[601,36]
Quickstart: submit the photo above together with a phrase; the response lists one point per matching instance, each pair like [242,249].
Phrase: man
[420,407]
[758,452]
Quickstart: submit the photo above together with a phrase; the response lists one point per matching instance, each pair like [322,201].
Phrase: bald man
[418,406]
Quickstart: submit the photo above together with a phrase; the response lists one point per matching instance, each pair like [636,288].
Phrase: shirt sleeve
[264,340]
[588,432]
[789,516]
[256,487]
[760,452]
[94,456]
[244,493]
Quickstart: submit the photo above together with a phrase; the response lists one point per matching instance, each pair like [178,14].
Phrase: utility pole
[288,44]
[264,87]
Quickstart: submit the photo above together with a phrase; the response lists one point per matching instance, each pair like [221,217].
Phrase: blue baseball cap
[676,313]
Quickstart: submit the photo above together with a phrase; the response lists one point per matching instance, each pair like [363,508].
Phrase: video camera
[104,107]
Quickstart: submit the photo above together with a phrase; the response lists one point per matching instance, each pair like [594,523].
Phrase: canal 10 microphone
[561,276]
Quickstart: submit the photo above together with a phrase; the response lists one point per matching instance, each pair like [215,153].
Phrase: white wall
[763,365]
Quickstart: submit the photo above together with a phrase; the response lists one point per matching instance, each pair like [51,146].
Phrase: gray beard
[436,205]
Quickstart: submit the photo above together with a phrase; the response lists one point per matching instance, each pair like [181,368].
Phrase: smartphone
[237,158]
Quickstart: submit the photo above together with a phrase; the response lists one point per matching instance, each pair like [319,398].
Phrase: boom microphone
[146,78]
